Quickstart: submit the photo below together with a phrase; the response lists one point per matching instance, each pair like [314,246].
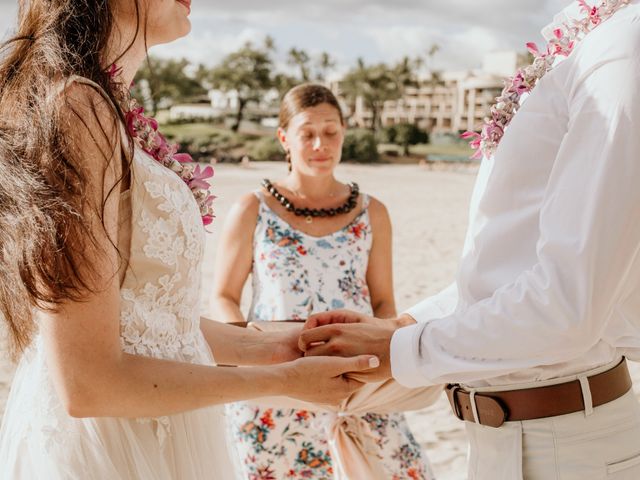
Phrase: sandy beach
[428,209]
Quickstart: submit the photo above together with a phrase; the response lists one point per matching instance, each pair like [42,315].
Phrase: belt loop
[474,407]
[586,395]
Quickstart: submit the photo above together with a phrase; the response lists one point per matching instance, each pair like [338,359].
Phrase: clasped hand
[346,334]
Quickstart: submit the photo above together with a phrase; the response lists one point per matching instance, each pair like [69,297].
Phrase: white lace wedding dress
[160,318]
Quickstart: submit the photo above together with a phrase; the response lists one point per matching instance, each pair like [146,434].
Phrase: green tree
[436,75]
[404,73]
[300,59]
[407,134]
[269,43]
[323,65]
[283,83]
[376,84]
[168,82]
[247,71]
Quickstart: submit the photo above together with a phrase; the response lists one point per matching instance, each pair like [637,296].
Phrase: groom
[531,337]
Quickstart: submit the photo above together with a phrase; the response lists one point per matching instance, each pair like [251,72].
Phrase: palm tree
[376,84]
[300,59]
[325,63]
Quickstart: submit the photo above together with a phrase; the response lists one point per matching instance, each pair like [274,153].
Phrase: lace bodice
[161,288]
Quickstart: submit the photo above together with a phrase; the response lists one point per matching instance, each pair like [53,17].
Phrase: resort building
[449,102]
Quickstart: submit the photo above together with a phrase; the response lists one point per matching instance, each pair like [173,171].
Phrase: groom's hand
[338,316]
[352,339]
[347,316]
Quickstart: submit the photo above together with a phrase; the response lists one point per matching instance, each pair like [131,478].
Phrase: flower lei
[144,131]
[565,37]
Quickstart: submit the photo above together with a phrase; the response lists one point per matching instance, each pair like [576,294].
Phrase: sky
[375,30]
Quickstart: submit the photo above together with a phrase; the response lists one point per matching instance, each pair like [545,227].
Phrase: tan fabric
[601,443]
[349,436]
[602,446]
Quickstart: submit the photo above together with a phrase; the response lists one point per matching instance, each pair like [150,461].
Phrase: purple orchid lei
[565,38]
[144,131]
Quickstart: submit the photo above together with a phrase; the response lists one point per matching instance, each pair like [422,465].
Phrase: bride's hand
[322,379]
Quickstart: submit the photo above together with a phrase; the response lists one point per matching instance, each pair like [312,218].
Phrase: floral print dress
[295,275]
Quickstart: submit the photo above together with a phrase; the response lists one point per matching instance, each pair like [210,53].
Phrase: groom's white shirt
[549,280]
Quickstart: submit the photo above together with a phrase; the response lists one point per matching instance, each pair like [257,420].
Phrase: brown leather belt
[495,408]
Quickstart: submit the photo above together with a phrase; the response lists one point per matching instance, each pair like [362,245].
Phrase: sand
[428,208]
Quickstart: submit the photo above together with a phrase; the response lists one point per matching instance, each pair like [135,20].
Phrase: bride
[101,245]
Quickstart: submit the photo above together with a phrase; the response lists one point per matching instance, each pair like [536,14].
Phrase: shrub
[409,134]
[360,146]
[266,149]
[387,134]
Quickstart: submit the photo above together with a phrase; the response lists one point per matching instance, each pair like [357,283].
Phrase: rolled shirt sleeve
[437,306]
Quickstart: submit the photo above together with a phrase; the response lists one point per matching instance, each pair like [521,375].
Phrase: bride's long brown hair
[43,203]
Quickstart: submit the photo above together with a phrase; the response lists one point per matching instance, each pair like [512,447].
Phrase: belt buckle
[494,413]
[454,401]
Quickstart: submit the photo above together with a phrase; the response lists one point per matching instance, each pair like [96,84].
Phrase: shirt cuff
[404,357]
[437,306]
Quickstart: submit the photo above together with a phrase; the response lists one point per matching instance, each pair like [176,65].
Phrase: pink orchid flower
[519,84]
[533,49]
[593,12]
[114,71]
[493,131]
[200,177]
[207,219]
[475,143]
[134,118]
[183,158]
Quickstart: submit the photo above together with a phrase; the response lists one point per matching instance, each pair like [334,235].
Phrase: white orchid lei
[565,38]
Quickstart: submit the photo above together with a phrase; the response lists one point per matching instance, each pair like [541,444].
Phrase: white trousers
[602,443]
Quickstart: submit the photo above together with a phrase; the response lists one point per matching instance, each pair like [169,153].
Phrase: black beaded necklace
[310,213]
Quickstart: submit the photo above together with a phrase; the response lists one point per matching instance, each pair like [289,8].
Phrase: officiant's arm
[380,268]
[234,259]
[559,308]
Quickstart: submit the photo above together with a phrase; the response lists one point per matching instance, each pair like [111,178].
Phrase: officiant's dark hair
[46,239]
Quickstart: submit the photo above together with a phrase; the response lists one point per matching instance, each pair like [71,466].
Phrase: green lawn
[195,136]
[203,131]
[453,151]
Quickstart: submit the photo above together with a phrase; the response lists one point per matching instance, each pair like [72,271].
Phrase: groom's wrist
[404,320]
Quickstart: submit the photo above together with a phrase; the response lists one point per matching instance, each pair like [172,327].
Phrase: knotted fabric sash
[351,442]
